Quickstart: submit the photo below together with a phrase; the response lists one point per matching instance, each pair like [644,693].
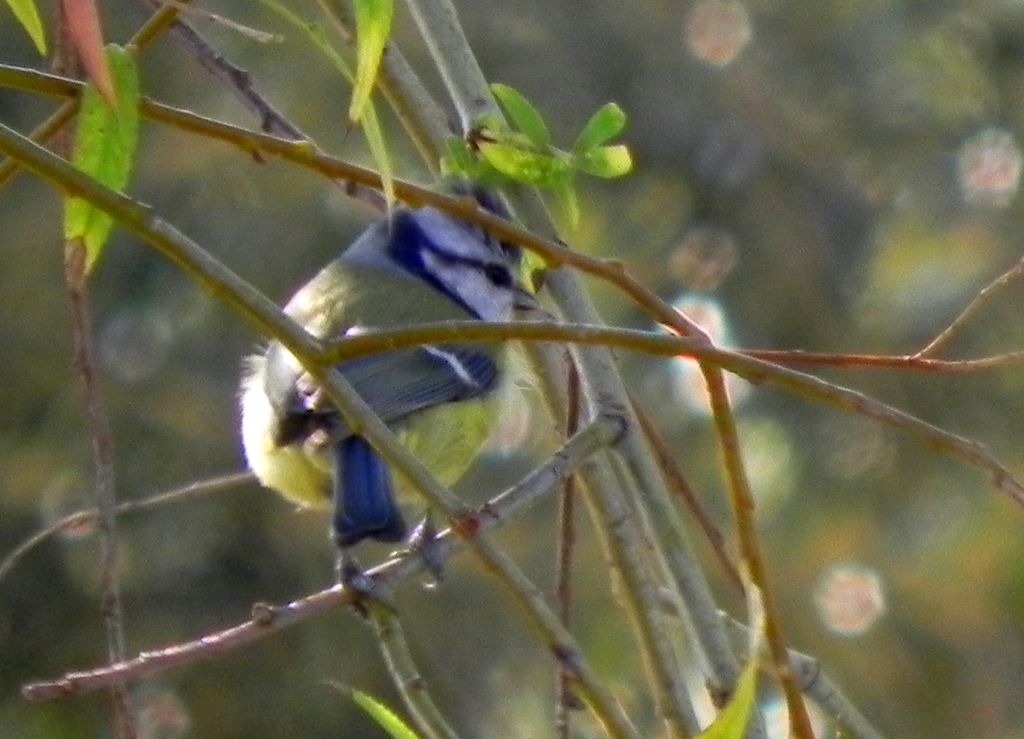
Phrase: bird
[418,265]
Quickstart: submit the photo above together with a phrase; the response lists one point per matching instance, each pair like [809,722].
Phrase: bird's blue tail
[364,502]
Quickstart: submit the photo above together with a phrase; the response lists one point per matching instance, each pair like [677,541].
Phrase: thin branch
[743,508]
[53,125]
[103,460]
[241,83]
[753,370]
[659,518]
[565,546]
[984,295]
[817,686]
[83,518]
[624,532]
[407,679]
[267,619]
[439,26]
[639,591]
[677,482]
[910,362]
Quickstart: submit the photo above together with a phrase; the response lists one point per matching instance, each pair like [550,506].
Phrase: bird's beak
[524,300]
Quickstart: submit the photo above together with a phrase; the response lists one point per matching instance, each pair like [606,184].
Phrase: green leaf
[105,142]
[567,205]
[525,117]
[461,160]
[384,716]
[28,16]
[605,161]
[371,126]
[604,125]
[732,721]
[379,151]
[373,24]
[515,157]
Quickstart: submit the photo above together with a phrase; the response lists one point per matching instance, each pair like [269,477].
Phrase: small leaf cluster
[496,153]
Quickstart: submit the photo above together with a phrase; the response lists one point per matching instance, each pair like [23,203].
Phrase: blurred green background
[837,176]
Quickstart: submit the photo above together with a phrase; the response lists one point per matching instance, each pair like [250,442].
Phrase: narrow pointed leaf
[605,124]
[83,23]
[379,151]
[371,126]
[105,143]
[384,716]
[373,24]
[605,161]
[27,15]
[524,116]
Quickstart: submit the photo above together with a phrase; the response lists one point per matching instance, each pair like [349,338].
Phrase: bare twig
[565,544]
[240,82]
[267,619]
[743,508]
[984,295]
[103,460]
[678,483]
[909,362]
[80,518]
[407,679]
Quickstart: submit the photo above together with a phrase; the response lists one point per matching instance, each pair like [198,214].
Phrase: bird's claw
[423,542]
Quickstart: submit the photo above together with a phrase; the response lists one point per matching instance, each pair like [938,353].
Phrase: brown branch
[103,459]
[677,483]
[266,619]
[566,699]
[914,362]
[743,508]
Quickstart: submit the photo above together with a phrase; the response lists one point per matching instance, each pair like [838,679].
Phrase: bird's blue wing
[394,384]
[401,382]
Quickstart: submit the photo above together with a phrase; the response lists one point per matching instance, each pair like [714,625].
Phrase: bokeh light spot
[770,461]
[718,30]
[135,345]
[688,381]
[161,714]
[850,599]
[704,258]
[989,167]
[67,493]
[853,448]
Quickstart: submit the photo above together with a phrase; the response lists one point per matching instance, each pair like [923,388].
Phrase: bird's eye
[497,275]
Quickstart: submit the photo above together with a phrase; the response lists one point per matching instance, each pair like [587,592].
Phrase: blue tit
[418,266]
